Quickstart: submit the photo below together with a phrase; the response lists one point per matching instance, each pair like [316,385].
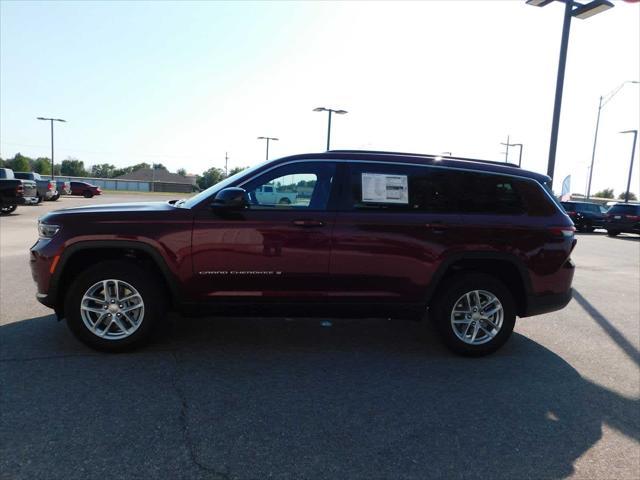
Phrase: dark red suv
[466,243]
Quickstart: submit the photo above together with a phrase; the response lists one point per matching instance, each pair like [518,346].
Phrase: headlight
[46,230]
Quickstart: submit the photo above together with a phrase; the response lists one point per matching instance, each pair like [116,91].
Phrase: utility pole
[506,152]
[331,111]
[226,164]
[633,152]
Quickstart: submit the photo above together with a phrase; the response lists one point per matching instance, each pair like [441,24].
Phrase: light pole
[571,9]
[633,152]
[603,101]
[515,145]
[330,110]
[52,120]
[267,139]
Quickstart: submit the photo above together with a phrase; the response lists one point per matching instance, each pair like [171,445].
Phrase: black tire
[612,233]
[55,197]
[446,300]
[284,201]
[39,200]
[87,194]
[9,209]
[152,294]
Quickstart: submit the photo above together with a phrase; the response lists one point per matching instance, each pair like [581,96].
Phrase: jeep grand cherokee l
[468,244]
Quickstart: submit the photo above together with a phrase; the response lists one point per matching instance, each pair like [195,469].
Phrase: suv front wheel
[475,314]
[114,306]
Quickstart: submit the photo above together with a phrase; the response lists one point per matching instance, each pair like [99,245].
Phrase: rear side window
[537,201]
[625,210]
[433,190]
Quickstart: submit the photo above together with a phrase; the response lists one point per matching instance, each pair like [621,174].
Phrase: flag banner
[566,189]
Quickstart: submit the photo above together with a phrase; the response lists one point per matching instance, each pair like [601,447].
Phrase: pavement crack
[184,424]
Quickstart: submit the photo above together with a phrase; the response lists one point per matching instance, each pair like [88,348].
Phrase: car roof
[424,159]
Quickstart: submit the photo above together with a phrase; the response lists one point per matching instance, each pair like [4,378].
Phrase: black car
[623,218]
[586,216]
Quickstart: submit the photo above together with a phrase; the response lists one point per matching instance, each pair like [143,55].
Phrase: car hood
[119,209]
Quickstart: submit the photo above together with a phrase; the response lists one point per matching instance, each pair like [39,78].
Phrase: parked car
[623,218]
[469,244]
[14,192]
[85,189]
[63,187]
[46,188]
[586,216]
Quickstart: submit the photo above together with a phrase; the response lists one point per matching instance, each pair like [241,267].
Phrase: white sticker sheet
[383,188]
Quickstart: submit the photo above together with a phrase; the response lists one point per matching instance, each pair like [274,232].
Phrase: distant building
[163,180]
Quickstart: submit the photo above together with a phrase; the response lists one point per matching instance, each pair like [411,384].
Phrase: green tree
[19,163]
[632,196]
[73,167]
[103,170]
[606,193]
[123,171]
[210,177]
[181,171]
[159,166]
[42,165]
[235,170]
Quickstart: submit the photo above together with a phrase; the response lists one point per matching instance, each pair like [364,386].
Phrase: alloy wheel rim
[477,317]
[112,309]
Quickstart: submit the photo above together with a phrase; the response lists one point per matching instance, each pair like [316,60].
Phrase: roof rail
[426,155]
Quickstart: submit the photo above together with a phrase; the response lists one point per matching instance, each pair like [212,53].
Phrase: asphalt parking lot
[281,398]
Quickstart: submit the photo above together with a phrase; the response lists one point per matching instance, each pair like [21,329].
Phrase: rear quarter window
[536,200]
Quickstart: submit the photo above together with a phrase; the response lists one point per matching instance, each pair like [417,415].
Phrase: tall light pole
[267,139]
[330,110]
[52,120]
[603,101]
[571,9]
[633,153]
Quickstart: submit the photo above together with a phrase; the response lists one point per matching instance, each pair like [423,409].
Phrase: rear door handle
[436,226]
[308,223]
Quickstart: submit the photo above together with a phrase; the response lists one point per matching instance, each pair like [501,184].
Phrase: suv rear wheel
[114,306]
[87,194]
[475,314]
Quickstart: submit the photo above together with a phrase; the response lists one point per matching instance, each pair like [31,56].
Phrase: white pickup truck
[270,195]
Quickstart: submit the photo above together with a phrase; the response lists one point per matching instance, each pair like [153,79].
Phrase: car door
[269,252]
[393,226]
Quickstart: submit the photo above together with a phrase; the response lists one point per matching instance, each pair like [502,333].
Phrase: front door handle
[308,223]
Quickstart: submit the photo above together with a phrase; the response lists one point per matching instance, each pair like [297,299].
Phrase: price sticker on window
[384,188]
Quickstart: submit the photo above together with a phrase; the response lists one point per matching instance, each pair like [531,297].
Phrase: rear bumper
[539,304]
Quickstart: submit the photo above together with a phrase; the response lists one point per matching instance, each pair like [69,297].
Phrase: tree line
[608,193]
[72,167]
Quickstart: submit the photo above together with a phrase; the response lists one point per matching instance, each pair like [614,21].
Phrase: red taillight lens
[564,232]
[20,189]
[50,186]
[571,214]
[633,218]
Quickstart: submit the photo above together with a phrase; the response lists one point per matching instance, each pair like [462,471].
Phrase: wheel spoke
[476,327]
[106,329]
[120,325]
[99,311]
[126,315]
[493,311]
[476,295]
[131,308]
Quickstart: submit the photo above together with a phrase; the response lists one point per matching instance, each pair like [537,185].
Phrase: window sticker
[383,188]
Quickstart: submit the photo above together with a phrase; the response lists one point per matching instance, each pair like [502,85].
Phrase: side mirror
[230,199]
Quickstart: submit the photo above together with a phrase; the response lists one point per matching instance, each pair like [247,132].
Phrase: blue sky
[183,83]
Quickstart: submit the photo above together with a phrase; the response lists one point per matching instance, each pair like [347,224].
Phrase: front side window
[304,185]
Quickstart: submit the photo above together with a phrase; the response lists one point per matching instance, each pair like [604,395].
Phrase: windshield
[196,199]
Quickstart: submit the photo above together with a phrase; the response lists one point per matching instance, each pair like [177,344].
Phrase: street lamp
[337,112]
[603,101]
[515,145]
[267,139]
[633,152]
[52,120]
[571,9]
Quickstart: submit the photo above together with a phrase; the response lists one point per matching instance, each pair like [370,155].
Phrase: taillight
[564,232]
[633,218]
[50,186]
[571,214]
[20,189]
